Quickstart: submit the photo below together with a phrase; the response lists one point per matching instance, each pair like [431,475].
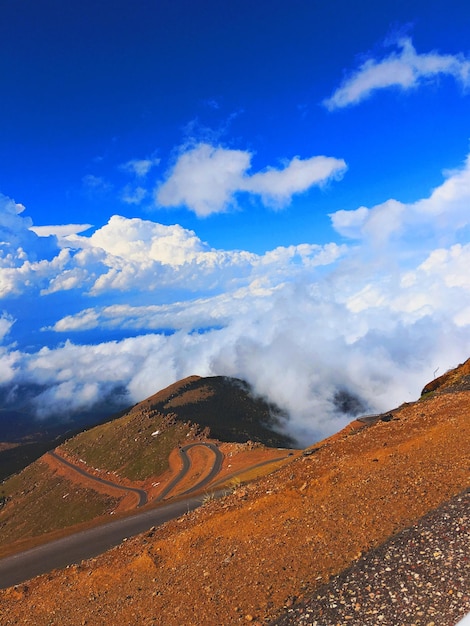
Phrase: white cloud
[134,195]
[200,313]
[278,186]
[439,216]
[206,179]
[404,68]
[62,231]
[144,241]
[300,323]
[140,167]
[65,280]
[298,343]
[141,255]
[379,336]
[6,322]
[17,242]
[8,355]
[24,257]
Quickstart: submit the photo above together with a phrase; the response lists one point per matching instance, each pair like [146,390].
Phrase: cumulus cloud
[403,68]
[303,324]
[442,215]
[17,241]
[141,256]
[206,179]
[24,257]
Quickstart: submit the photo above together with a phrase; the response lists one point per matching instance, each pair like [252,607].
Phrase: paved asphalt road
[140,492]
[187,464]
[88,543]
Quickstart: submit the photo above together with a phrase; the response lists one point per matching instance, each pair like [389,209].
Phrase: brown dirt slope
[453,380]
[248,556]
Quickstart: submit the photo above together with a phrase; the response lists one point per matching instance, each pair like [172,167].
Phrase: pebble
[420,573]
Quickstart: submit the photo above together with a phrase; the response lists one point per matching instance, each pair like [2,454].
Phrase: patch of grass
[127,446]
[40,502]
[208,497]
[152,458]
[235,483]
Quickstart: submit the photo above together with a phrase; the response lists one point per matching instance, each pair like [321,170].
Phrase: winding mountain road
[142,495]
[216,467]
[89,543]
[92,542]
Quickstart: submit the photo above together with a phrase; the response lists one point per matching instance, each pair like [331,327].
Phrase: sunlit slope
[248,556]
[138,444]
[132,450]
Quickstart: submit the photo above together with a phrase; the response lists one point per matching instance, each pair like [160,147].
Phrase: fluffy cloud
[206,179]
[17,241]
[278,186]
[304,324]
[404,68]
[301,345]
[25,258]
[140,255]
[442,215]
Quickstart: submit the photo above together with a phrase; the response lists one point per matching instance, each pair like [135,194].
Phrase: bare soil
[248,556]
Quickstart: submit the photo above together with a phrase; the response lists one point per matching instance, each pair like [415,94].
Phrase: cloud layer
[404,68]
[374,318]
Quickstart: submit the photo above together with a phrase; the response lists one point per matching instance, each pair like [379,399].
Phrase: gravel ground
[419,577]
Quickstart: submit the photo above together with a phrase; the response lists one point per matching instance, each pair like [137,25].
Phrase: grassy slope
[40,501]
[219,406]
[127,446]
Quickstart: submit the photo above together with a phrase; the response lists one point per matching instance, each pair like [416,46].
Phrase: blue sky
[273,190]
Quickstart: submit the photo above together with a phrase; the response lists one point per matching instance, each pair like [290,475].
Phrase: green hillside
[138,444]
